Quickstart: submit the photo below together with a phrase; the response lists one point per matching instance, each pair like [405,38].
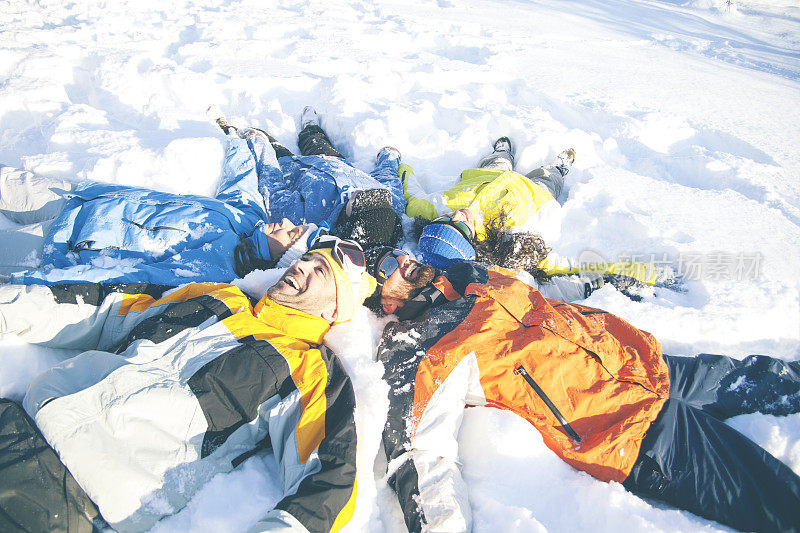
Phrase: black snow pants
[37,493]
[312,140]
[692,460]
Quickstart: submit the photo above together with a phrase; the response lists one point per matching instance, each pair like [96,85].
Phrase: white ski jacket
[174,387]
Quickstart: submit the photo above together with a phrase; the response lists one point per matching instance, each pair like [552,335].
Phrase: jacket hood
[259,241]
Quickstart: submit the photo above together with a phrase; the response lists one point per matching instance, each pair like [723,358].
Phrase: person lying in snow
[601,393]
[494,187]
[321,186]
[94,231]
[479,213]
[450,239]
[176,386]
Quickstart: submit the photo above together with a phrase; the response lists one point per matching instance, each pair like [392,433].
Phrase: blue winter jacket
[130,234]
[127,234]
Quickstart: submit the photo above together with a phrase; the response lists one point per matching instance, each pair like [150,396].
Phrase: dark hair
[373,301]
[419,225]
[502,247]
[246,259]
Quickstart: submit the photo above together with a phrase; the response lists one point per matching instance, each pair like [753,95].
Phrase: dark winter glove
[630,287]
[591,282]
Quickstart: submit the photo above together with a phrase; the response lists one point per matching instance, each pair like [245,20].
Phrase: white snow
[184,273]
[685,116]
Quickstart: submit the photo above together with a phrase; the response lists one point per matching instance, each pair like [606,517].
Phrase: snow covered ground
[685,116]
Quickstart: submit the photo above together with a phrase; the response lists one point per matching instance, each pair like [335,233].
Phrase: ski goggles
[462,227]
[388,264]
[348,254]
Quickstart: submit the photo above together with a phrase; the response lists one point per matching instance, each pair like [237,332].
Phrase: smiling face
[307,285]
[404,283]
[281,235]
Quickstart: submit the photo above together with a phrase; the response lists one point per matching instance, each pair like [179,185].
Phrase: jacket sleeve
[240,176]
[420,440]
[647,272]
[71,315]
[566,288]
[321,487]
[417,202]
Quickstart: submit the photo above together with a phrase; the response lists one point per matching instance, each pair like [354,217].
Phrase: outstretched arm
[418,202]
[647,272]
[569,288]
[317,455]
[74,315]
[420,438]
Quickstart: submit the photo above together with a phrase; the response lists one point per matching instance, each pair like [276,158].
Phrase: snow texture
[685,117]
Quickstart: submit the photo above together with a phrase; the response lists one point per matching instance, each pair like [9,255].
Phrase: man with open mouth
[173,386]
[407,286]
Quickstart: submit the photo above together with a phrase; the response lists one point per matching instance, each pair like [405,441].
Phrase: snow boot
[390,149]
[502,158]
[216,114]
[503,144]
[565,159]
[309,117]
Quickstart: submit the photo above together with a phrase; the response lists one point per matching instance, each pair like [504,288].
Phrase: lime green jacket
[487,192]
[646,272]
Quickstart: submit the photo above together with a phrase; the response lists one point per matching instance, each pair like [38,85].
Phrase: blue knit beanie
[441,245]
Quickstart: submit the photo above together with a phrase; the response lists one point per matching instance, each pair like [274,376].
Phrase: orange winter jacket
[591,383]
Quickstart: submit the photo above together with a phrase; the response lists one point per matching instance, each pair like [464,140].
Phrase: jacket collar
[432,295]
[297,324]
[259,240]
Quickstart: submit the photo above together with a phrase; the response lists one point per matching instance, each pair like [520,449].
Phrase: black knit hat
[372,220]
